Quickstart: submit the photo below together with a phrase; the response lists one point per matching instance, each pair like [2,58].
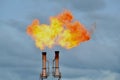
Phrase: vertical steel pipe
[44,60]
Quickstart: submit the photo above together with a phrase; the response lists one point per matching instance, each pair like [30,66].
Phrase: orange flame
[62,31]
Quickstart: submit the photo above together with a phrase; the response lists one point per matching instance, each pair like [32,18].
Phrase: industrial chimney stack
[45,70]
[56,72]
[44,73]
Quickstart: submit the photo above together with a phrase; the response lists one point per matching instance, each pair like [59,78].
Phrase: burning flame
[62,31]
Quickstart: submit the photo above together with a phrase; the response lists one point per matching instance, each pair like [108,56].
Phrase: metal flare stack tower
[55,68]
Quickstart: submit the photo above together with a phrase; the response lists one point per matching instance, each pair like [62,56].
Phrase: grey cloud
[89,74]
[19,73]
[17,56]
[104,19]
[5,74]
[57,6]
[92,56]
[116,2]
[41,17]
[107,29]
[19,25]
[89,5]
[13,43]
[68,72]
[84,5]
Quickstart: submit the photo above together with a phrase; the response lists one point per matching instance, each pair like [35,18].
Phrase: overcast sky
[97,59]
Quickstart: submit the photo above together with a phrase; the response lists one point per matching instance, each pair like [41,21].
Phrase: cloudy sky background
[97,59]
